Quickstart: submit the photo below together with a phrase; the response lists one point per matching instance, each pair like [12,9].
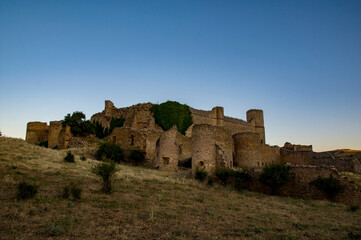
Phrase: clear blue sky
[299,61]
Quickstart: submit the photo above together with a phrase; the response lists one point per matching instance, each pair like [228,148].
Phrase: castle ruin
[212,141]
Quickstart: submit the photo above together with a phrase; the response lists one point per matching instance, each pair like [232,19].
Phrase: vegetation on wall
[78,125]
[275,175]
[102,132]
[330,186]
[172,113]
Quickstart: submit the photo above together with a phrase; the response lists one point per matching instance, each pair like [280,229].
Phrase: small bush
[106,171]
[223,174]
[210,182]
[110,151]
[275,175]
[201,174]
[240,177]
[71,192]
[26,191]
[354,208]
[137,156]
[83,158]
[69,157]
[330,186]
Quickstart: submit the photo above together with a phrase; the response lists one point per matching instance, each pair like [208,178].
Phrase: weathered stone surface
[212,147]
[37,132]
[301,185]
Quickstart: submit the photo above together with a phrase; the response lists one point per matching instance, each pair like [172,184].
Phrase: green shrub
[69,157]
[106,171]
[354,208]
[26,191]
[330,186]
[223,174]
[83,158]
[71,192]
[210,182]
[43,144]
[275,175]
[110,151]
[172,113]
[137,156]
[201,174]
[240,177]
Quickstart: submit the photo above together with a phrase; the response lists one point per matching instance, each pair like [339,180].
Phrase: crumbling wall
[132,139]
[171,148]
[296,157]
[168,152]
[64,137]
[296,147]
[137,116]
[250,152]
[255,117]
[212,147]
[301,185]
[36,132]
[216,118]
[54,130]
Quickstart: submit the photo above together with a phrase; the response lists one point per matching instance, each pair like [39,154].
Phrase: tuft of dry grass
[150,204]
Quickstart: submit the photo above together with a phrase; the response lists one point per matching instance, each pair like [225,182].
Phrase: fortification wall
[54,130]
[132,139]
[136,117]
[255,117]
[296,157]
[37,132]
[64,137]
[319,159]
[301,185]
[216,118]
[296,147]
[168,153]
[212,147]
[249,152]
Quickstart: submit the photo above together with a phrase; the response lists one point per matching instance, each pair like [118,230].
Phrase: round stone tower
[247,150]
[255,116]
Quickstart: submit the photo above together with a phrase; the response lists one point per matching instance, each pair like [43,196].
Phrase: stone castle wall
[250,152]
[55,128]
[37,132]
[212,147]
[301,185]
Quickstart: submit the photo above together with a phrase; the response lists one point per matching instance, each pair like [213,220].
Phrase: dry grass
[150,204]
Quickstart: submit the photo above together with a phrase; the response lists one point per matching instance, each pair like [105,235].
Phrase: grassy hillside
[150,204]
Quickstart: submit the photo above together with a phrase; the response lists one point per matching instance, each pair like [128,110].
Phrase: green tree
[78,125]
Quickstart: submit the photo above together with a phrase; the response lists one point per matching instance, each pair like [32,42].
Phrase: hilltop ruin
[212,141]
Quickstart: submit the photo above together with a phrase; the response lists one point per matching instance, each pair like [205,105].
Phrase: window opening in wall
[180,149]
[166,160]
[157,147]
[131,140]
[201,163]
[261,141]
